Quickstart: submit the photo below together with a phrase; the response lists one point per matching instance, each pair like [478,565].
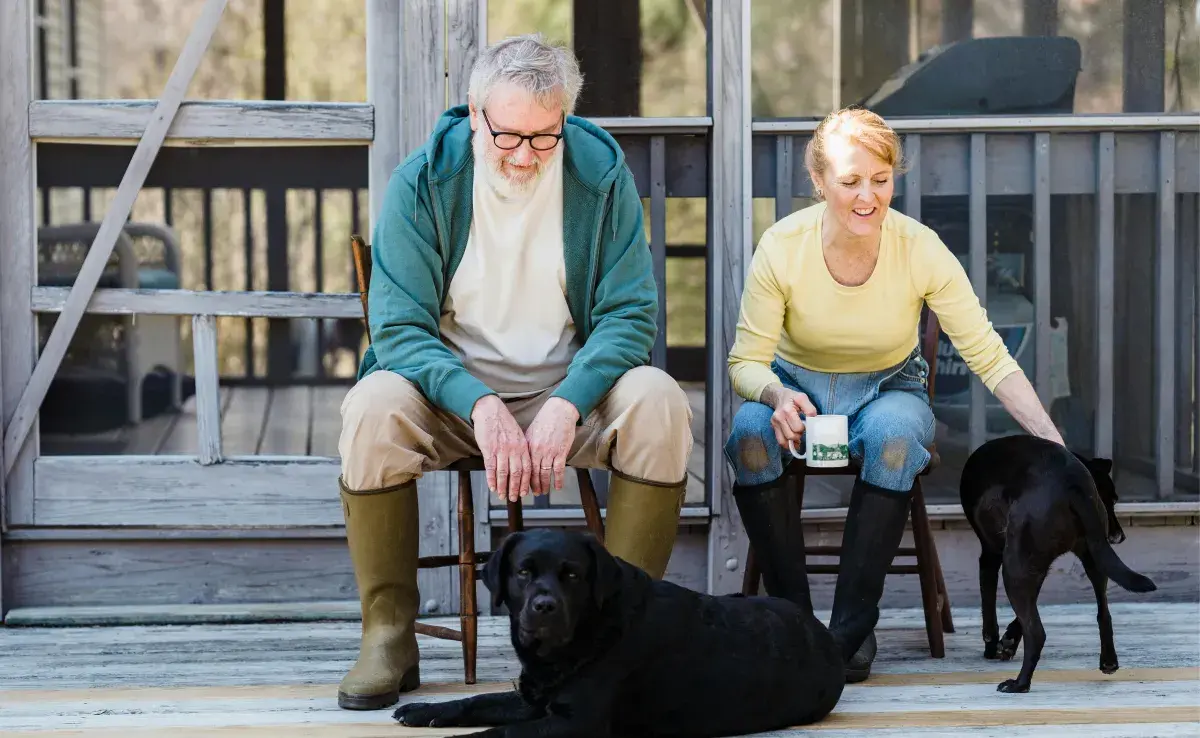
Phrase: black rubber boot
[771,516]
[874,526]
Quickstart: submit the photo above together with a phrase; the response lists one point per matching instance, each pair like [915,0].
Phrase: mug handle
[792,449]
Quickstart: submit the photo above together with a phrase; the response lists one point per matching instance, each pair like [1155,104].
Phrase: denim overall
[890,423]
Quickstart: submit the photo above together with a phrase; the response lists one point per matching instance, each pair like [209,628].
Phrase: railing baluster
[783,175]
[658,242]
[208,238]
[1186,380]
[1105,285]
[248,264]
[1164,318]
[977,424]
[1041,264]
[319,258]
[208,402]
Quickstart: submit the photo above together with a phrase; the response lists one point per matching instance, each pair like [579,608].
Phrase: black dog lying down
[1030,501]
[607,651]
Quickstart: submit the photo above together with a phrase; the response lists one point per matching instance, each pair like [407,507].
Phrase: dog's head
[550,581]
[1101,471]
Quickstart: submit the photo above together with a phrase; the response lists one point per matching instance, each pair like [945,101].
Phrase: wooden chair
[468,559]
[934,600]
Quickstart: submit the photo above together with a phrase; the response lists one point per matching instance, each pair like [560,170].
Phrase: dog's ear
[1104,466]
[606,572]
[495,571]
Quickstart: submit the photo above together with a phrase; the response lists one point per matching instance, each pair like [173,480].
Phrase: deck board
[276,679]
[243,419]
[289,414]
[326,420]
[183,437]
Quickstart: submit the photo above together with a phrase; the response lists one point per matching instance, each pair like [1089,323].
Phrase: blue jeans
[890,423]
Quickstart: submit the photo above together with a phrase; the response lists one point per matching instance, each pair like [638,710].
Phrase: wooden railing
[1145,168]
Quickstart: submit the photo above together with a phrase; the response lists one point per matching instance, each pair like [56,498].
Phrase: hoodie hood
[592,155]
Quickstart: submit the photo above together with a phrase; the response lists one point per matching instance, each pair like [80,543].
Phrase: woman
[829,322]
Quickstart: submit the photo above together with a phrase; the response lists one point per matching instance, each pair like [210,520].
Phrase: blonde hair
[862,127]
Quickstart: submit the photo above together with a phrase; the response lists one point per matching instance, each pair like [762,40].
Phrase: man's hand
[550,437]
[505,451]
[788,404]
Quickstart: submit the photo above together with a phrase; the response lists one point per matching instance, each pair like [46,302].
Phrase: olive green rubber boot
[642,521]
[381,530]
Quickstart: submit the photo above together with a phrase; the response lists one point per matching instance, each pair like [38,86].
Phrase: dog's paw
[1109,665]
[428,714]
[991,650]
[1012,686]
[1008,648]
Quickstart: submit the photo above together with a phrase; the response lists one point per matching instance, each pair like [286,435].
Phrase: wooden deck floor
[280,680]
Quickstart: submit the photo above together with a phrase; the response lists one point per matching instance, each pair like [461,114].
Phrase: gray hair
[547,71]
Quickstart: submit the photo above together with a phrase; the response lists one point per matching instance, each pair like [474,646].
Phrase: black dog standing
[607,651]
[1030,501]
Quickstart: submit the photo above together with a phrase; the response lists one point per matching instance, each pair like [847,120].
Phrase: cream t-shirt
[505,315]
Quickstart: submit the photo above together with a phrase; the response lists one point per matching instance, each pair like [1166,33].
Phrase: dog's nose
[544,605]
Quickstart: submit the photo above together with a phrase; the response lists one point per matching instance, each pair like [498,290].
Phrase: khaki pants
[391,434]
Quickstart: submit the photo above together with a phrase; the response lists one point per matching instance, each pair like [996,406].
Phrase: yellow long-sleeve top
[793,307]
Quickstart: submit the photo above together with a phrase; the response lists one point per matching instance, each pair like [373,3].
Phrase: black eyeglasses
[509,141]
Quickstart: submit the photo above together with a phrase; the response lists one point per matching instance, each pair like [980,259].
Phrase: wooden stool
[468,559]
[934,600]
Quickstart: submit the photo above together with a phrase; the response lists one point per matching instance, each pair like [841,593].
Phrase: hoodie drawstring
[612,206]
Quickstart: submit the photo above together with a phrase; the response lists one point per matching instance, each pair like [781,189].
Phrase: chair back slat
[362,272]
[929,343]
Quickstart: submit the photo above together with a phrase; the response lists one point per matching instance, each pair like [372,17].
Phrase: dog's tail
[1102,551]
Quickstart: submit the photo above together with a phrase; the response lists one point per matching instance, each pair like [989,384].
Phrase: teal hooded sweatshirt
[421,234]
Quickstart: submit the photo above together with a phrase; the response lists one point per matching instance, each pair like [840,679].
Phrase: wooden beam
[1012,123]
[203,123]
[1165,317]
[118,212]
[466,29]
[466,25]
[116,301]
[422,70]
[17,238]
[383,93]
[208,397]
[730,238]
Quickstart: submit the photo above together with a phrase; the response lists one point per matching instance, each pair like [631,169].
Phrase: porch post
[17,238]
[729,236]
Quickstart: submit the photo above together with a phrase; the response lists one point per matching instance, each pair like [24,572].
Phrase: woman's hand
[788,404]
[1021,401]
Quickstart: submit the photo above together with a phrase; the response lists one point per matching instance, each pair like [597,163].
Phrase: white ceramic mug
[826,441]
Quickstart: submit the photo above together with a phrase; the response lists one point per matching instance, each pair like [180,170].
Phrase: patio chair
[468,559]
[934,600]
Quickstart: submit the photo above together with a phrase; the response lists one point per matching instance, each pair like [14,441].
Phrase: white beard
[504,187]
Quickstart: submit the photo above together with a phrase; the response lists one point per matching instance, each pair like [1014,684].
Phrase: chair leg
[468,607]
[923,540]
[752,575]
[943,595]
[516,517]
[591,505]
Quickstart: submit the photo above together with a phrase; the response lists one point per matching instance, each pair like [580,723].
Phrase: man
[512,311]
